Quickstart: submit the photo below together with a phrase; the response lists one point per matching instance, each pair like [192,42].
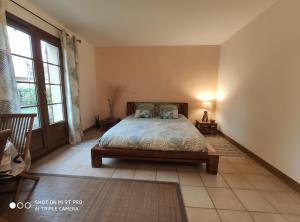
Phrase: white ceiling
[154,22]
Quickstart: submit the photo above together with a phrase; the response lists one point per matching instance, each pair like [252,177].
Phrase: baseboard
[289,181]
[89,128]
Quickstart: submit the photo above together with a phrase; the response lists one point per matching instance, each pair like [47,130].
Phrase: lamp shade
[208,105]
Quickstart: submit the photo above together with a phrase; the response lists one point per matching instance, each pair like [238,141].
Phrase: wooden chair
[21,129]
[4,135]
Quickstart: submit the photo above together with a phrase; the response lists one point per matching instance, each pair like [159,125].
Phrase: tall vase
[110,106]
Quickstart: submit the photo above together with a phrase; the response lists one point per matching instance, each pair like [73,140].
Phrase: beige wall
[259,87]
[179,74]
[86,54]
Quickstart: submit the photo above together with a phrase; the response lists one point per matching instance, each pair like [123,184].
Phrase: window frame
[37,35]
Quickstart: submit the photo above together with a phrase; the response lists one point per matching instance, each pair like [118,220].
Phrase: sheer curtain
[72,86]
[9,99]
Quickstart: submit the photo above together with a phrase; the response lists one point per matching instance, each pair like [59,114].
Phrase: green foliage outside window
[27,96]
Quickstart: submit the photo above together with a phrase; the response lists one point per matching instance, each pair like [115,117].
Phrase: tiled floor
[243,191]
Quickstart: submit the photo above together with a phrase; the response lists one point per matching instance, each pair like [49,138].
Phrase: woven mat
[224,147]
[96,199]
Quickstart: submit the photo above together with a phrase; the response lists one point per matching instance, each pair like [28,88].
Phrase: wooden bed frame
[211,158]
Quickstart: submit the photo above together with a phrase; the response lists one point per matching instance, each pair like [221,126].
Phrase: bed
[174,140]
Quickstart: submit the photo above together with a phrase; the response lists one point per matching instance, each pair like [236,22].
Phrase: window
[38,68]
[22,56]
[51,65]
[38,73]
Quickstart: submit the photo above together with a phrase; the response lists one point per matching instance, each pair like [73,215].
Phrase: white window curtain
[71,86]
[9,99]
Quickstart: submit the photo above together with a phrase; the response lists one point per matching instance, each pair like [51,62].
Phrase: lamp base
[205,116]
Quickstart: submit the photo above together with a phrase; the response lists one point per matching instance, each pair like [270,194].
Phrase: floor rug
[74,198]
[223,146]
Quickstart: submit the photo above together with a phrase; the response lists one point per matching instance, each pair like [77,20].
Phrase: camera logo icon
[20,205]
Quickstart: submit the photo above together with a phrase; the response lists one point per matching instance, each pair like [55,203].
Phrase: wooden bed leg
[96,159]
[212,164]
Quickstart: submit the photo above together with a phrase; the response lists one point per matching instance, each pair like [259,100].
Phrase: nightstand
[207,127]
[107,123]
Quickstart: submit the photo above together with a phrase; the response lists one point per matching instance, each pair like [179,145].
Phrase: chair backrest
[21,126]
[4,135]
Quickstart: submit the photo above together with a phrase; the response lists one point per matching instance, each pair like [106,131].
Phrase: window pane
[27,93]
[55,113]
[23,69]
[50,53]
[53,94]
[20,42]
[52,74]
[36,123]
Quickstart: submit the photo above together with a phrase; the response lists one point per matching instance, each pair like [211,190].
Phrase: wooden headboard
[182,107]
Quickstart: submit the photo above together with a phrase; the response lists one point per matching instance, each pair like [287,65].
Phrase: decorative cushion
[165,110]
[143,113]
[144,110]
[166,114]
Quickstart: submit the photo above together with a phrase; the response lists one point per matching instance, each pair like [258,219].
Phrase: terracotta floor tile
[210,180]
[202,215]
[123,173]
[144,174]
[190,178]
[167,175]
[242,160]
[246,168]
[261,182]
[237,181]
[263,192]
[196,197]
[260,169]
[292,218]
[101,172]
[227,168]
[235,216]
[295,197]
[279,183]
[267,217]
[225,199]
[283,202]
[254,201]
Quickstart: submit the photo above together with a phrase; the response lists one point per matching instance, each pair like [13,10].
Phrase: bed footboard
[211,158]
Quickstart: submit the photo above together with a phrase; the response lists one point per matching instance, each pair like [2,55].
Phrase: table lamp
[206,105]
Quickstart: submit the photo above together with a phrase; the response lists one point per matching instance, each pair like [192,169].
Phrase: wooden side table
[207,127]
[107,123]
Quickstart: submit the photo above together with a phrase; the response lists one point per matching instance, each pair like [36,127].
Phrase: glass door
[53,82]
[39,75]
[27,80]
[24,67]
[53,91]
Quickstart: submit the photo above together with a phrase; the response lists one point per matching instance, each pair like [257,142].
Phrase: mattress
[154,134]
